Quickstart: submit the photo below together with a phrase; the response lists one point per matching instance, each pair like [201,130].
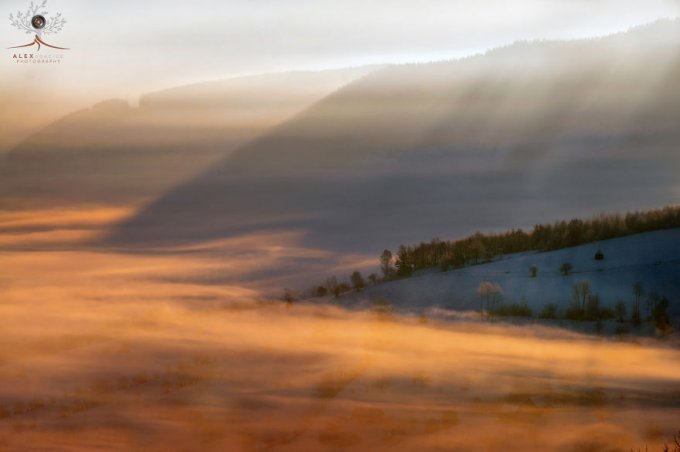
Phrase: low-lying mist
[123,351]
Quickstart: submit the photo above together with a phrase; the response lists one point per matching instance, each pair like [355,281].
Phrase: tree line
[585,305]
[479,248]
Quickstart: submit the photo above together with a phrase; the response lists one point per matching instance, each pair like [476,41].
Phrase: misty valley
[478,253]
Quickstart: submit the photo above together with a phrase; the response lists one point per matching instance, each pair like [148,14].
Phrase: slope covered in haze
[522,134]
[116,152]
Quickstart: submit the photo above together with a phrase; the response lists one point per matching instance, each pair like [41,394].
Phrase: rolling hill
[651,258]
[519,135]
[113,152]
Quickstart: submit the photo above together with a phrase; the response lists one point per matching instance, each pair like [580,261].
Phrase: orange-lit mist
[106,350]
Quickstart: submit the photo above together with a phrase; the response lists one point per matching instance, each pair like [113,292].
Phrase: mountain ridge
[448,148]
[114,152]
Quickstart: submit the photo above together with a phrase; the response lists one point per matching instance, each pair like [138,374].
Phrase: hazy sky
[123,48]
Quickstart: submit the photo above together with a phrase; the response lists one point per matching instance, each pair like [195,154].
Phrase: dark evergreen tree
[403,263]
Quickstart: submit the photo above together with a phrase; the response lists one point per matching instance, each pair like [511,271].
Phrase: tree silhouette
[477,248]
[403,264]
[544,237]
[290,295]
[620,309]
[638,292]
[386,264]
[549,311]
[357,280]
[490,295]
[373,279]
[566,268]
[580,291]
[660,315]
[333,286]
[652,301]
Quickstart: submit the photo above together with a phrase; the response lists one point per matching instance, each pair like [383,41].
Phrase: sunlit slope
[527,103]
[114,151]
[652,258]
[523,134]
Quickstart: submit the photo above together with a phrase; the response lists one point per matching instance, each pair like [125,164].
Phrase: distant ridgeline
[479,247]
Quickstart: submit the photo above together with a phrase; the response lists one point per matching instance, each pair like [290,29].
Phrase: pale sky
[124,48]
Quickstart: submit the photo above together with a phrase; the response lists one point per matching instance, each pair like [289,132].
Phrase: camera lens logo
[38,22]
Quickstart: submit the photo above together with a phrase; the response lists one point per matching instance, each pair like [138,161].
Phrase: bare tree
[580,291]
[676,444]
[490,295]
[638,292]
[386,264]
[652,301]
